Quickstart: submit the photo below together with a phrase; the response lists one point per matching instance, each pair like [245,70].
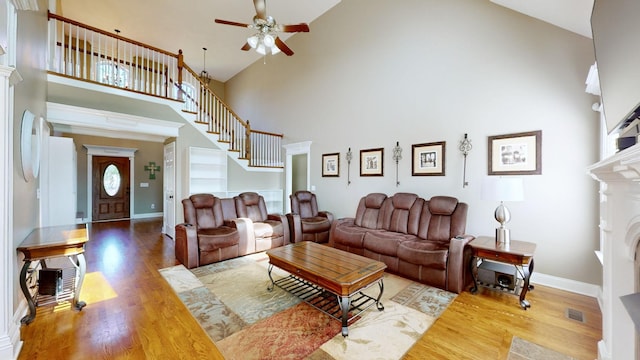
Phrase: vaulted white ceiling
[172,25]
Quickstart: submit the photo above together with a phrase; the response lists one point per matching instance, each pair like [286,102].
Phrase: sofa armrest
[285,225]
[247,242]
[326,214]
[458,263]
[295,227]
[334,224]
[186,245]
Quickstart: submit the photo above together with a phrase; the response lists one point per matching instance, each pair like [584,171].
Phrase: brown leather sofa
[306,222]
[423,240]
[217,229]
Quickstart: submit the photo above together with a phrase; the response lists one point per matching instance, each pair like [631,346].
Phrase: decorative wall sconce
[397,156]
[465,147]
[152,168]
[349,157]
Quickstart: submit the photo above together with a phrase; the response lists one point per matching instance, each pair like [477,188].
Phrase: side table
[516,253]
[50,242]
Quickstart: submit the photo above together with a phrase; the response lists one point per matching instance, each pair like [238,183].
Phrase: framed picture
[516,154]
[428,159]
[371,162]
[331,165]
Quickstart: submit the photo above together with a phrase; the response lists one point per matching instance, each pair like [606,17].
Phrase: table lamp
[502,189]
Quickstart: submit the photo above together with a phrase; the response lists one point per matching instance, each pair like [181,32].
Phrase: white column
[10,343]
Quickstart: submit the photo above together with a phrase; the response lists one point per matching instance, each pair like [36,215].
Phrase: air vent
[574,314]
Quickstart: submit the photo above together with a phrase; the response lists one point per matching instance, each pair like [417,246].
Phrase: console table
[516,253]
[51,242]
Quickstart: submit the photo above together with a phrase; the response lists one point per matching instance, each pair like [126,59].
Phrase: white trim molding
[299,148]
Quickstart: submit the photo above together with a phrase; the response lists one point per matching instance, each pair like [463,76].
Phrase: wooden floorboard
[132,313]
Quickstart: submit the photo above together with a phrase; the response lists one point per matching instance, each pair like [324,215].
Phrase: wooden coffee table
[320,274]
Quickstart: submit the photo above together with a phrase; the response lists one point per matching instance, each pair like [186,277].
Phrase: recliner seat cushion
[385,242]
[315,224]
[268,228]
[425,253]
[350,235]
[221,237]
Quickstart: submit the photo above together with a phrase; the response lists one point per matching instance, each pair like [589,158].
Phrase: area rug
[231,302]
[524,350]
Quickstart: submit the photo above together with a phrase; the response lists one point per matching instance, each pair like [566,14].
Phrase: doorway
[293,150]
[111,196]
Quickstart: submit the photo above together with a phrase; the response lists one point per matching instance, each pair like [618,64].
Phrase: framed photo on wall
[371,162]
[331,165]
[516,154]
[428,159]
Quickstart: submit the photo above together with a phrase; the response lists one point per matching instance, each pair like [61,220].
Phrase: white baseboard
[577,287]
[148,215]
[11,344]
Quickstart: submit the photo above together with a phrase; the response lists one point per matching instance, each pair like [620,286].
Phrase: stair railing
[87,53]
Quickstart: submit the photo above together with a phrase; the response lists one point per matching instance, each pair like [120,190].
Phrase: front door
[110,188]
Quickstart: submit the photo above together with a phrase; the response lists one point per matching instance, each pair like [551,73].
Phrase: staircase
[88,54]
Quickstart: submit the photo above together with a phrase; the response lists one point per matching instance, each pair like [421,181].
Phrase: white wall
[373,72]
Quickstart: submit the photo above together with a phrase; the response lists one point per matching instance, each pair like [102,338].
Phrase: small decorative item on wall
[397,156]
[516,154]
[428,159]
[371,162]
[465,147]
[349,157]
[331,165]
[152,168]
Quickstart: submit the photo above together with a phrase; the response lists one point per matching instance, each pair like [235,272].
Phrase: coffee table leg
[345,304]
[270,287]
[25,290]
[378,303]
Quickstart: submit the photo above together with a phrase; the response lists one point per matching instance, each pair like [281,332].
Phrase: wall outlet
[153,206]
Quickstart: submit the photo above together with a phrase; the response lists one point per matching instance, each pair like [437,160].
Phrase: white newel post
[620,231]
[9,330]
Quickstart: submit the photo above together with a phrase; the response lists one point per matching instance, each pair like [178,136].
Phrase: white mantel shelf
[624,165]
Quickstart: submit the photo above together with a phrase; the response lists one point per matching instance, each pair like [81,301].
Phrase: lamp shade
[503,189]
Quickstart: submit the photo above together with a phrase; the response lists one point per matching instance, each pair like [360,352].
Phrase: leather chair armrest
[186,245]
[326,214]
[295,227]
[335,223]
[247,242]
[285,225]
[459,263]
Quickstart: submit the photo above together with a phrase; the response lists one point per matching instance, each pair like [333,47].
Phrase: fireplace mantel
[619,176]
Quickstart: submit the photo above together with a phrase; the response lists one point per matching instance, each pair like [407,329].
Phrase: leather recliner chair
[205,237]
[306,223]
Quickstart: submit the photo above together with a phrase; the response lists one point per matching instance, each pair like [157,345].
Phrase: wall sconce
[152,168]
[465,147]
[397,156]
[349,157]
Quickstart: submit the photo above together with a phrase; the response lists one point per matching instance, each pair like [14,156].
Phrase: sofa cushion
[385,242]
[425,253]
[349,234]
[217,238]
[401,213]
[368,212]
[268,228]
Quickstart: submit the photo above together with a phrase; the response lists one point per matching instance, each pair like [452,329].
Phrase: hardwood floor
[132,313]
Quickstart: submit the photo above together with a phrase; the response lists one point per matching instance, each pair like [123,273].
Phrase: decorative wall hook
[152,168]
[349,157]
[397,156]
[465,147]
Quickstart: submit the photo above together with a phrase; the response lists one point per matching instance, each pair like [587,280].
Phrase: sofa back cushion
[442,218]
[229,208]
[251,205]
[401,213]
[368,212]
[304,203]
[203,210]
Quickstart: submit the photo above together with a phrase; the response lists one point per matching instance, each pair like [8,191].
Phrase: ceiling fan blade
[226,22]
[283,47]
[246,47]
[261,8]
[302,27]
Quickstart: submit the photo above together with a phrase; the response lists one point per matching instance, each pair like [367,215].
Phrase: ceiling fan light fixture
[253,41]
[269,41]
[274,50]
[261,49]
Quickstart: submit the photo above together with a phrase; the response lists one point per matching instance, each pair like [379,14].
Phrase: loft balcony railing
[89,54]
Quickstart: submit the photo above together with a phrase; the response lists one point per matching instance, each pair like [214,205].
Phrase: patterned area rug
[231,302]
[524,350]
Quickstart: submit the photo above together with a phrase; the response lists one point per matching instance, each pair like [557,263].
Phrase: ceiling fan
[266,38]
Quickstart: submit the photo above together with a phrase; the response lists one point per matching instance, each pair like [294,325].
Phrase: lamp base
[503,235]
